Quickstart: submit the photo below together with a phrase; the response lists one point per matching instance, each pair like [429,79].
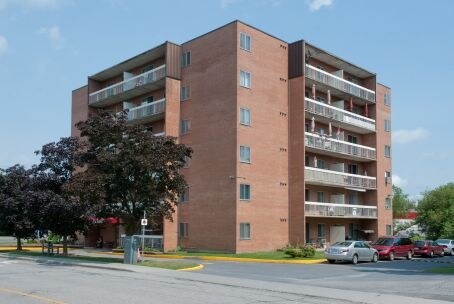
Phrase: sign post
[144,223]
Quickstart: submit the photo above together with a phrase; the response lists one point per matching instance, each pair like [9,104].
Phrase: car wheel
[391,256]
[331,261]
[375,258]
[409,255]
[355,259]
[452,251]
[442,253]
[431,254]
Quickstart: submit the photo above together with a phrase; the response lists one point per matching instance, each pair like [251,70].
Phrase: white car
[448,245]
[351,251]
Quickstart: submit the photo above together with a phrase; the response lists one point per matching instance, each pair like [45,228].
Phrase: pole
[143,235]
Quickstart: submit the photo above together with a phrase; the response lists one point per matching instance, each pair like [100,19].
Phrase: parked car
[392,247]
[351,251]
[448,245]
[428,248]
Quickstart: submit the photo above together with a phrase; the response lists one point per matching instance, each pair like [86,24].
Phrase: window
[320,164]
[245,42]
[321,231]
[245,79]
[387,125]
[245,116]
[306,127]
[388,177]
[352,139]
[387,151]
[387,100]
[388,203]
[321,131]
[306,161]
[321,197]
[148,68]
[389,230]
[147,100]
[245,154]
[245,231]
[185,93]
[183,230]
[185,126]
[186,59]
[352,169]
[307,195]
[245,192]
[184,197]
[187,162]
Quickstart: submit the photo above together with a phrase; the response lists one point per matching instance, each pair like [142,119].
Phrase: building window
[245,231]
[183,230]
[245,154]
[186,59]
[245,79]
[245,192]
[352,139]
[352,168]
[320,197]
[245,42]
[148,68]
[306,161]
[185,126]
[320,164]
[387,151]
[388,203]
[184,197]
[387,125]
[388,177]
[185,93]
[321,231]
[187,162]
[389,230]
[388,100]
[245,116]
[307,195]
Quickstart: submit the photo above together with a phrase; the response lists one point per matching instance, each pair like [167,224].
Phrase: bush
[300,251]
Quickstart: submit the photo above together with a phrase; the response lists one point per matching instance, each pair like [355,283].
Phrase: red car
[428,249]
[391,247]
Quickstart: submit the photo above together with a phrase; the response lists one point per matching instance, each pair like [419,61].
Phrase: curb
[246,260]
[192,268]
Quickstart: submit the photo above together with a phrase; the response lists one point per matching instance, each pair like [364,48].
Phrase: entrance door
[336,234]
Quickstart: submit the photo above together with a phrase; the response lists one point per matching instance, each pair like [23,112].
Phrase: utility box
[131,247]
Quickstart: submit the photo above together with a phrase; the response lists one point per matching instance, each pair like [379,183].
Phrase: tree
[61,212]
[128,170]
[436,212]
[17,211]
[401,203]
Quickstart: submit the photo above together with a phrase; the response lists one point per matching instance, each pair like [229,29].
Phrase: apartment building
[291,144]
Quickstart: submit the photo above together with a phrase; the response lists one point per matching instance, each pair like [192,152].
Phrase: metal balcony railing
[334,178]
[147,110]
[340,115]
[128,84]
[339,146]
[339,210]
[339,83]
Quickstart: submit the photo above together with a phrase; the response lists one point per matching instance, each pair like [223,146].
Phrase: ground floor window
[389,230]
[245,231]
[183,230]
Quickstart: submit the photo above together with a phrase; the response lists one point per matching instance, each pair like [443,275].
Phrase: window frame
[387,125]
[187,90]
[248,186]
[186,59]
[185,197]
[390,233]
[242,150]
[245,46]
[245,84]
[242,230]
[186,122]
[183,229]
[244,123]
[388,151]
[388,203]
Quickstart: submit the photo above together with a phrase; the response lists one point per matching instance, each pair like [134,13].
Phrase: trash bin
[131,247]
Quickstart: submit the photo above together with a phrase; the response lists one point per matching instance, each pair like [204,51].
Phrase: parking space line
[33,296]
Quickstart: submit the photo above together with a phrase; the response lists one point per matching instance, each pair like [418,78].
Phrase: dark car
[392,247]
[428,248]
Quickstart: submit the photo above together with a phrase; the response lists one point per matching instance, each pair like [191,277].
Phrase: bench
[49,247]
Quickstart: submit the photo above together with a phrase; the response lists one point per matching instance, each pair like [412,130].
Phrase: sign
[144,222]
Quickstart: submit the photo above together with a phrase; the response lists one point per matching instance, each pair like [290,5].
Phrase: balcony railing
[128,84]
[147,110]
[339,83]
[334,178]
[339,146]
[328,111]
[339,210]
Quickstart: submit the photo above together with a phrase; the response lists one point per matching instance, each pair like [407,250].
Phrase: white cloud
[29,4]
[398,181]
[53,34]
[227,3]
[3,45]
[315,5]
[406,136]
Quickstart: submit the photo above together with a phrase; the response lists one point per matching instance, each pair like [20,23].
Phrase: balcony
[129,88]
[347,120]
[330,146]
[340,84]
[314,209]
[148,112]
[316,176]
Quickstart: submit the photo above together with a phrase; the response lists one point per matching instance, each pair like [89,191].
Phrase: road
[25,281]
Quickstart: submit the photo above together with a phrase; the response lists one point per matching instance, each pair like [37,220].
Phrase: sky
[49,47]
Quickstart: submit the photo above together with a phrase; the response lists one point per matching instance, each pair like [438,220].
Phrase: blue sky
[48,47]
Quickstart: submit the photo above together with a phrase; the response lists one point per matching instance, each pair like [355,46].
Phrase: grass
[271,255]
[174,265]
[442,270]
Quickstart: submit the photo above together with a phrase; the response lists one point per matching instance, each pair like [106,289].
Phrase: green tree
[436,212]
[128,170]
[401,203]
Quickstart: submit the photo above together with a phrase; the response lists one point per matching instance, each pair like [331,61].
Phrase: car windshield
[342,244]
[384,242]
[443,241]
[419,243]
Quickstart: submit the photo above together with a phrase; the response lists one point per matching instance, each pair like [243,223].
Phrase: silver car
[351,251]
[448,245]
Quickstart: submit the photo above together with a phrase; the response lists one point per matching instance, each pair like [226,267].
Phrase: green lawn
[442,270]
[272,255]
